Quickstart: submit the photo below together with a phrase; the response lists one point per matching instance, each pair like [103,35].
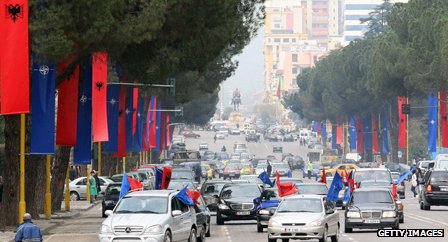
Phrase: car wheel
[401,220]
[74,196]
[259,228]
[426,207]
[348,230]
[193,235]
[202,236]
[335,238]
[167,237]
[219,219]
[324,235]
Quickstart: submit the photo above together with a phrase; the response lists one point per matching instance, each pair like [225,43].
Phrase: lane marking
[429,219]
[421,220]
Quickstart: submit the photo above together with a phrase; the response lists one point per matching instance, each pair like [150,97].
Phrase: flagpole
[407,134]
[88,184]
[22,204]
[99,158]
[150,156]
[438,124]
[139,160]
[124,164]
[67,190]
[47,188]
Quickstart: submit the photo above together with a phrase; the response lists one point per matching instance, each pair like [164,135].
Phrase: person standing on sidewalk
[93,188]
[97,180]
[28,231]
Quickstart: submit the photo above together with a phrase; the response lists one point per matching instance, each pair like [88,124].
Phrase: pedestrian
[420,180]
[73,173]
[93,188]
[198,173]
[414,183]
[214,138]
[97,180]
[269,168]
[28,231]
[310,169]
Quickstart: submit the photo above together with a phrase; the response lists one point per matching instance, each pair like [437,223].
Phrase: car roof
[371,189]
[372,169]
[158,193]
[299,196]
[311,184]
[216,181]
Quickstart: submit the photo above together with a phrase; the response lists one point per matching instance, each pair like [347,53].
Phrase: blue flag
[432,122]
[323,129]
[384,124]
[315,126]
[404,175]
[159,177]
[264,177]
[348,194]
[367,132]
[113,96]
[125,186]
[184,198]
[138,137]
[352,131]
[158,129]
[129,113]
[83,149]
[335,187]
[334,145]
[43,108]
[268,204]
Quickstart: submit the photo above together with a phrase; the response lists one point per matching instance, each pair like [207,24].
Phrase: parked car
[304,217]
[110,197]
[235,202]
[78,187]
[435,189]
[371,208]
[209,189]
[151,215]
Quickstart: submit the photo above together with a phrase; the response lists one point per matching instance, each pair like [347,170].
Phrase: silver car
[78,187]
[304,217]
[150,216]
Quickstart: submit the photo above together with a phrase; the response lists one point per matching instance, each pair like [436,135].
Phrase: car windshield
[177,185]
[212,188]
[371,197]
[369,183]
[251,179]
[232,167]
[142,204]
[293,180]
[312,189]
[280,166]
[240,191]
[182,174]
[439,176]
[113,189]
[300,206]
[372,175]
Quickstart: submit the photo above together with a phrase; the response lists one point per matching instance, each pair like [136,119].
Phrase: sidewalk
[76,208]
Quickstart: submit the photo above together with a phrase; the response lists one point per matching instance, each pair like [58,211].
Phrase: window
[277,40]
[276,26]
[286,40]
[293,40]
[294,58]
[352,37]
[320,25]
[102,182]
[356,27]
[294,70]
[361,6]
[82,182]
[355,17]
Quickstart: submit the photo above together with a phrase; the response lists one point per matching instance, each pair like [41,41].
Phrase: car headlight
[223,207]
[353,214]
[105,229]
[155,229]
[389,214]
[264,212]
[273,223]
[316,223]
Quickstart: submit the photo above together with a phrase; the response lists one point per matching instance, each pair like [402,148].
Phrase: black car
[371,208]
[435,189]
[110,197]
[209,190]
[267,204]
[235,202]
[202,219]
[252,137]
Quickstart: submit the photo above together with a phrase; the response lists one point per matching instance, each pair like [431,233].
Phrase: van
[441,161]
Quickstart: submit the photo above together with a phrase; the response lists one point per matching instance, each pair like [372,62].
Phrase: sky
[249,76]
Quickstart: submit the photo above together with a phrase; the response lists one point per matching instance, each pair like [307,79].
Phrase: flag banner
[334,144]
[402,123]
[14,57]
[43,108]
[152,123]
[339,133]
[385,136]
[432,122]
[67,118]
[352,131]
[443,120]
[324,129]
[375,147]
[145,141]
[158,128]
[168,131]
[284,189]
[121,124]
[113,100]
[324,176]
[129,112]
[134,110]
[335,187]
[166,177]
[83,149]
[319,128]
[347,194]
[125,186]
[359,136]
[315,126]
[183,197]
[368,132]
[99,97]
[264,177]
[194,195]
[158,180]
[138,136]
[162,131]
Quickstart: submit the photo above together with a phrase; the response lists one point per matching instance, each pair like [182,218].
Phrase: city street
[86,227]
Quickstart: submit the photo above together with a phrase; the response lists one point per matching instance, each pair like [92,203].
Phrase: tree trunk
[10,201]
[393,130]
[35,178]
[58,174]
[108,164]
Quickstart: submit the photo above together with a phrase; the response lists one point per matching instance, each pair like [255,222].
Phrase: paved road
[86,227]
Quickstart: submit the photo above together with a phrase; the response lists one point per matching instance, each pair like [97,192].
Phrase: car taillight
[429,188]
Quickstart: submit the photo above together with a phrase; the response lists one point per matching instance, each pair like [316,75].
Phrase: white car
[78,187]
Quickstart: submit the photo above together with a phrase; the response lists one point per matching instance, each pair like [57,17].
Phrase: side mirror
[108,212]
[176,213]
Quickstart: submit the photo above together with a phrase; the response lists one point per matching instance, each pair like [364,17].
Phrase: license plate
[127,240]
[371,221]
[243,213]
[292,230]
[444,189]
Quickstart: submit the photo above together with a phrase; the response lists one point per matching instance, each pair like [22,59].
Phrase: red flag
[99,97]
[135,185]
[324,176]
[285,189]
[402,123]
[121,125]
[443,120]
[153,124]
[319,128]
[168,131]
[67,118]
[359,136]
[14,57]
[394,191]
[145,141]
[194,195]
[134,110]
[163,132]
[166,177]
[338,133]
[375,146]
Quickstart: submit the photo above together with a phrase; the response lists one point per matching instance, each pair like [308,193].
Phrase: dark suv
[435,189]
[209,189]
[110,197]
[235,202]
